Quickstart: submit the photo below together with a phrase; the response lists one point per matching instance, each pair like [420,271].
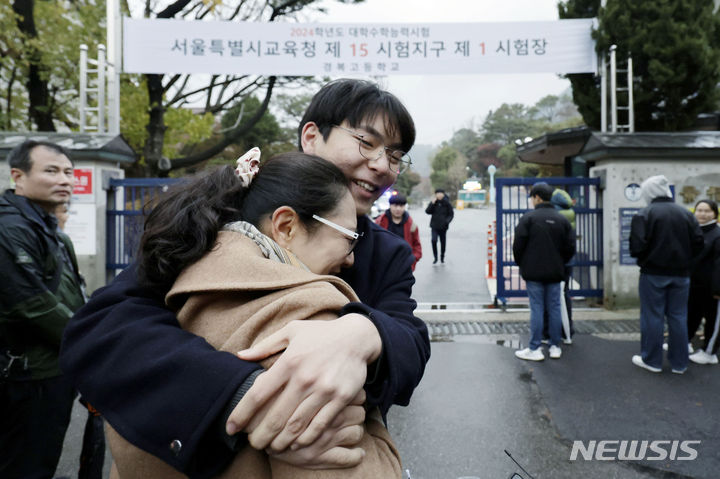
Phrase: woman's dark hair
[713,206]
[184,224]
[357,101]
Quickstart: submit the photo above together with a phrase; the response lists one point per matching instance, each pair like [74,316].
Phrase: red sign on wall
[83,181]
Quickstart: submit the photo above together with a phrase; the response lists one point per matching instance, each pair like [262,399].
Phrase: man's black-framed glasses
[354,236]
[372,149]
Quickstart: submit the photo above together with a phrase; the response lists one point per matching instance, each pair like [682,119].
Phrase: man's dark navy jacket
[158,384]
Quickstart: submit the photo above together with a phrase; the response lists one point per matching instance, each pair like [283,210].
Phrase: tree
[509,123]
[466,141]
[39,42]
[675,47]
[222,91]
[448,170]
[547,107]
[407,181]
[39,56]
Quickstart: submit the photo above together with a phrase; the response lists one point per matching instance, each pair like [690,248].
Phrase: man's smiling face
[368,178]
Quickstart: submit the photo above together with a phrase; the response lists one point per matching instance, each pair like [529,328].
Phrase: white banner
[338,49]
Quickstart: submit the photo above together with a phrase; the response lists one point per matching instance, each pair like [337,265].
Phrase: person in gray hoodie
[664,237]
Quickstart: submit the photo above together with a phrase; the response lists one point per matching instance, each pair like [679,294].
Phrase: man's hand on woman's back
[296,402]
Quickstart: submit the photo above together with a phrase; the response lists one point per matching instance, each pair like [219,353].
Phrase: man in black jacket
[442,214]
[664,238]
[544,242]
[39,291]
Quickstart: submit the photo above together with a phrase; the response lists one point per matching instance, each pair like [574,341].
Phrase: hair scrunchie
[248,166]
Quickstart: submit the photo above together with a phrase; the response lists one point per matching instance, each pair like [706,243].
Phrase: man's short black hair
[543,190]
[19,157]
[398,199]
[357,101]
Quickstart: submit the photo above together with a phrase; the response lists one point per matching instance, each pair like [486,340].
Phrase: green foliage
[546,108]
[264,132]
[509,123]
[448,170]
[173,129]
[61,28]
[185,128]
[466,141]
[675,47]
[134,111]
[407,181]
[183,125]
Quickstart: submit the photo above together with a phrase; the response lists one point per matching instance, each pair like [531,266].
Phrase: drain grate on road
[586,326]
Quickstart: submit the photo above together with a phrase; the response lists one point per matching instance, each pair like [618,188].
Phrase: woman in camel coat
[262,272]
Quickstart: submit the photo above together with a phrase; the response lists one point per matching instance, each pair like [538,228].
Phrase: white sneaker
[530,354]
[637,361]
[555,352]
[665,346]
[567,340]
[701,357]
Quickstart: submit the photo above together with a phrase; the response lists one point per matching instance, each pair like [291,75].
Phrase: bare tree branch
[173,9]
[205,89]
[170,83]
[179,91]
[230,137]
[211,87]
[290,6]
[237,10]
[9,98]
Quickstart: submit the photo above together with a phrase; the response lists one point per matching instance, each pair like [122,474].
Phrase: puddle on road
[512,341]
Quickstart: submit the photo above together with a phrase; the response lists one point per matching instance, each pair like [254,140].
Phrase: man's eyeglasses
[354,236]
[372,149]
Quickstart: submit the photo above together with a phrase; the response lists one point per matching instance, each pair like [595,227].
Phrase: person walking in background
[563,203]
[544,242]
[664,237]
[705,285]
[40,290]
[442,214]
[397,220]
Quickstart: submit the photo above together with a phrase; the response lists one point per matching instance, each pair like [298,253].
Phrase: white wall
[87,224]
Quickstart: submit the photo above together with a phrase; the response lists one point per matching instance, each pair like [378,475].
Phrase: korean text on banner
[178,46]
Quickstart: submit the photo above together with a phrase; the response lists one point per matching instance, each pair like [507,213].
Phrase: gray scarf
[269,248]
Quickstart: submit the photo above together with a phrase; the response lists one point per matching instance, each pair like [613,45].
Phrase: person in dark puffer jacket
[664,237]
[40,290]
[544,242]
[442,214]
[705,285]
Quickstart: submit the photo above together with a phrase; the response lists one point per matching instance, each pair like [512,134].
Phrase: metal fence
[512,202]
[128,204]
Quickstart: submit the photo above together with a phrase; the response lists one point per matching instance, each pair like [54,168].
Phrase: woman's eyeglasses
[354,236]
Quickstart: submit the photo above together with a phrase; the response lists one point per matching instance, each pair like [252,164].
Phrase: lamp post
[491,171]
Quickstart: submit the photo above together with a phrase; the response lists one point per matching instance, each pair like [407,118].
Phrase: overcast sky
[442,104]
